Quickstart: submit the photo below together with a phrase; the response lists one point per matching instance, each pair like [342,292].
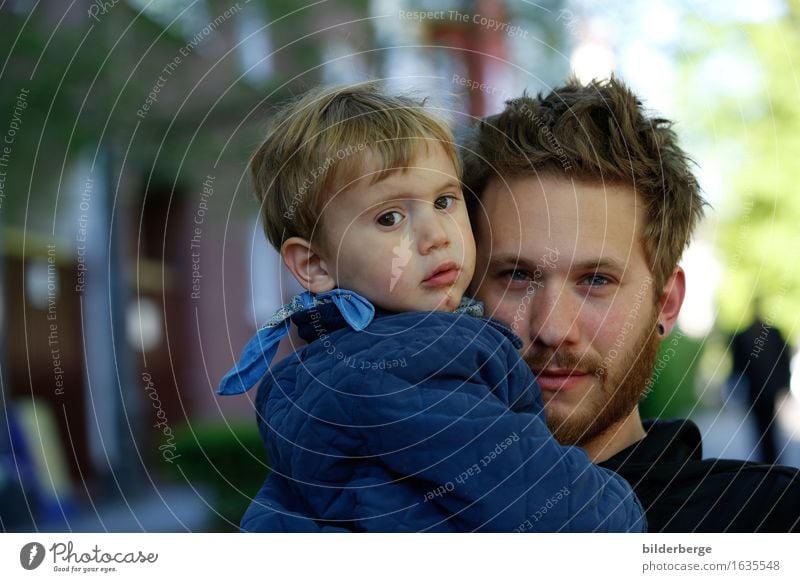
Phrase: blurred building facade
[133,264]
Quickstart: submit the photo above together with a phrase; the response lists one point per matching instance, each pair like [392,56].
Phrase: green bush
[673,382]
[226,460]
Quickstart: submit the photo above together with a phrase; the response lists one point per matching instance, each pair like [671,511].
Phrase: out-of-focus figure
[761,358]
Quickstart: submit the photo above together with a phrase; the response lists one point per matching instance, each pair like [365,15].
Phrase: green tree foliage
[85,82]
[757,125]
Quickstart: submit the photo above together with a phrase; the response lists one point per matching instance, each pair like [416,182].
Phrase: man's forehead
[553,258]
[558,193]
[586,221]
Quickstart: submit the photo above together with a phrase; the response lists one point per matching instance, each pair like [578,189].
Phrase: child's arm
[446,434]
[273,510]
[488,467]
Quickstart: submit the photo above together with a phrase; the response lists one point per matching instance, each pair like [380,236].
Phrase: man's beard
[623,384]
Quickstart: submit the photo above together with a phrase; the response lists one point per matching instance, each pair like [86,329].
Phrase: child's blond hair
[316,146]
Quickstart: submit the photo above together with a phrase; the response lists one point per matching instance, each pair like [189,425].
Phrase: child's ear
[308,267]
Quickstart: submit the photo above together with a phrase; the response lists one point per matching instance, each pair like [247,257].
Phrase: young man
[583,208]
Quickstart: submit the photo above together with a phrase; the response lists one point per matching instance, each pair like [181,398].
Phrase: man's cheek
[492,301]
[599,323]
[508,312]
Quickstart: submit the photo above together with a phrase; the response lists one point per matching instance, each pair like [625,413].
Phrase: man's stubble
[623,384]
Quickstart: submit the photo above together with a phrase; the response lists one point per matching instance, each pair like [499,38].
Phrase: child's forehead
[379,164]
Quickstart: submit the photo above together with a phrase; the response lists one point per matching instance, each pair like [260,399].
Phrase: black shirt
[681,492]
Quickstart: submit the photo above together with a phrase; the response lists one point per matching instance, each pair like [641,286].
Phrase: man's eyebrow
[510,259]
[598,264]
[594,264]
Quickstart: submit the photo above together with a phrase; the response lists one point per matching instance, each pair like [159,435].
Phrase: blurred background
[133,267]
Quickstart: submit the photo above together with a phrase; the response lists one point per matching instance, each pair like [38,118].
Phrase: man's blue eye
[596,280]
[444,202]
[392,218]
[516,275]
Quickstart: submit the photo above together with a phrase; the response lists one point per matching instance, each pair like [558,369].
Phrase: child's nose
[432,233]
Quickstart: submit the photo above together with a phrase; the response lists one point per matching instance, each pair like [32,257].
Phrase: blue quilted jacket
[420,422]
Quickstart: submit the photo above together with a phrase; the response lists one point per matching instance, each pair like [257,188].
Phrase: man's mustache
[539,360]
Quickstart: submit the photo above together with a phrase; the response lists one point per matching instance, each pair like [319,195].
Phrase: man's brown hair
[597,132]
[317,145]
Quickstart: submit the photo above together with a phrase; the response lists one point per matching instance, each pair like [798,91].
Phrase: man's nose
[432,231]
[554,317]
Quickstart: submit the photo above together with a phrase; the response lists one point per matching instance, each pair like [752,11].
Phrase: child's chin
[448,303]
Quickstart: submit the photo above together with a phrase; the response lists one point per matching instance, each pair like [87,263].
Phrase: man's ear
[671,299]
[307,266]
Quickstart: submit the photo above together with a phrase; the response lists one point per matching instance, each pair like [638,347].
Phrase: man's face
[562,263]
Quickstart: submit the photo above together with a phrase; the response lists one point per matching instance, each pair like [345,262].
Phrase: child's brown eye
[444,202]
[390,218]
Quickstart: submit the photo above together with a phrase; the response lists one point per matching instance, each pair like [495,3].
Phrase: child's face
[404,243]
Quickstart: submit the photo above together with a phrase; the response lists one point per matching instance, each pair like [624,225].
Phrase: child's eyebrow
[405,195]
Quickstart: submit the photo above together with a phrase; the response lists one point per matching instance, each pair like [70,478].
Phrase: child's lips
[444,274]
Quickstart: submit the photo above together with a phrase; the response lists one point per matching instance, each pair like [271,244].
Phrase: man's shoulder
[684,493]
[681,492]
[731,474]
[708,474]
[719,495]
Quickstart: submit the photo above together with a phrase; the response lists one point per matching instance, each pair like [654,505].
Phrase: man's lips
[444,274]
[555,379]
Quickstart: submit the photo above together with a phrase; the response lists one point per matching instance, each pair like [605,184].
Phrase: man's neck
[615,438]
